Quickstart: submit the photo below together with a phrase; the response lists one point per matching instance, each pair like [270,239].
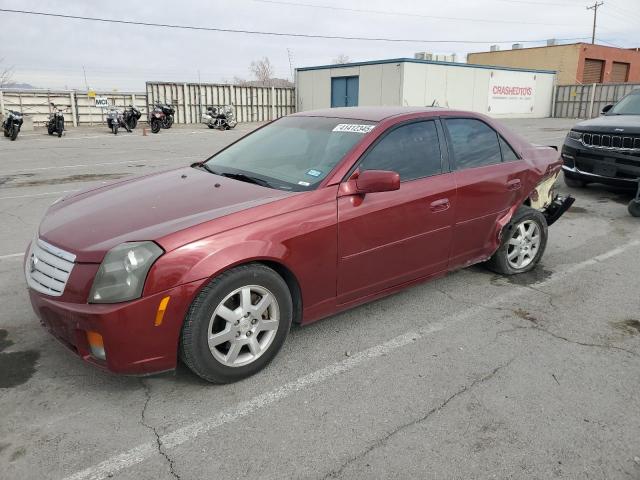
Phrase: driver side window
[412,150]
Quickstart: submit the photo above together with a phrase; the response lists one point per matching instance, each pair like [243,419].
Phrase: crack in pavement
[568,340]
[161,449]
[383,440]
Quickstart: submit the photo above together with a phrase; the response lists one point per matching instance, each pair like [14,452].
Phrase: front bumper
[133,344]
[600,166]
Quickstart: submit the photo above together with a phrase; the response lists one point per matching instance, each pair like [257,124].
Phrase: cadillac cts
[309,215]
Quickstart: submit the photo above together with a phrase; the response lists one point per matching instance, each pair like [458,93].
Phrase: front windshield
[292,153]
[629,105]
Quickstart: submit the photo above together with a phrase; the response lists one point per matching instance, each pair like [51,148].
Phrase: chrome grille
[625,143]
[48,268]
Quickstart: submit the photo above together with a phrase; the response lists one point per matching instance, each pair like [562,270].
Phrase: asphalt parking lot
[471,376]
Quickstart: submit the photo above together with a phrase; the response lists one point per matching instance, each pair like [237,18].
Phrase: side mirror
[606,108]
[372,181]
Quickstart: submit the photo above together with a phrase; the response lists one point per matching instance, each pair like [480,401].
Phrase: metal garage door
[619,72]
[592,72]
[344,91]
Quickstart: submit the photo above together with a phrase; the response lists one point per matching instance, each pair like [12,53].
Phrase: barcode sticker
[353,128]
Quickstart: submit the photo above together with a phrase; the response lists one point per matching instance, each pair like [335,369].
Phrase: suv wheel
[237,324]
[572,182]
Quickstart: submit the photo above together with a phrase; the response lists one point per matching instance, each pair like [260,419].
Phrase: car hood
[90,223]
[614,124]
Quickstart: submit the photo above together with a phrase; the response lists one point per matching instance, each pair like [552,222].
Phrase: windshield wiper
[246,178]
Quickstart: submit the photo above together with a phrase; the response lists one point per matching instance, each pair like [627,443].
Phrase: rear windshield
[292,153]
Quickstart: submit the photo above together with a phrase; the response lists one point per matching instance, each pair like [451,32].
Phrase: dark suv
[605,149]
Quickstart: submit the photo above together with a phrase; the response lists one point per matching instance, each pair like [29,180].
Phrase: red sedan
[309,215]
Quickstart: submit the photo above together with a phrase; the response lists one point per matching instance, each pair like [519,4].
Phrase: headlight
[123,271]
[575,135]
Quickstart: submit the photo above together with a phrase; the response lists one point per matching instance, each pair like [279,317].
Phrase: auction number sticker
[353,128]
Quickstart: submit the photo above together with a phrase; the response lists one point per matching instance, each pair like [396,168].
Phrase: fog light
[96,344]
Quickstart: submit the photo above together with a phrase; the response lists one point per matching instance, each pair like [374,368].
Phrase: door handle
[514,184]
[440,205]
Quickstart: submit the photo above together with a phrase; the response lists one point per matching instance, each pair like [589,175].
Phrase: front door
[344,91]
[388,238]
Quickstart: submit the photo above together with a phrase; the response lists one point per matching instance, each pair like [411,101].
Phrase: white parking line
[124,162]
[45,194]
[182,435]
[12,255]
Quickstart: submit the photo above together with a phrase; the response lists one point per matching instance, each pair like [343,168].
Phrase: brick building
[575,63]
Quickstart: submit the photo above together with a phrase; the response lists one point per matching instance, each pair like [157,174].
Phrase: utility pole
[594,7]
[290,55]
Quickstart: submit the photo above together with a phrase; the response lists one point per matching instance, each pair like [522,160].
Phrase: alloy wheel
[243,326]
[524,244]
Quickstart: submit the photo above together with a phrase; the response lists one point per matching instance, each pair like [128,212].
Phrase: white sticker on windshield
[353,128]
[304,184]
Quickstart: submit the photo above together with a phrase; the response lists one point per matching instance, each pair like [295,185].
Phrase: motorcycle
[131,116]
[222,118]
[157,118]
[115,119]
[56,121]
[12,124]
[169,111]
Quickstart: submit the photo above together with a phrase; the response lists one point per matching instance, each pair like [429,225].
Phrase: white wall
[467,88]
[420,84]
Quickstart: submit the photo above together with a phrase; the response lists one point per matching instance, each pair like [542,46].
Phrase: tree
[340,59]
[262,70]
[6,74]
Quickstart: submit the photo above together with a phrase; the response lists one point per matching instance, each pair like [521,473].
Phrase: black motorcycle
[169,112]
[131,116]
[12,124]
[56,121]
[115,119]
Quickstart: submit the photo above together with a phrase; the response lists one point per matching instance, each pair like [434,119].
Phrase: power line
[267,33]
[404,14]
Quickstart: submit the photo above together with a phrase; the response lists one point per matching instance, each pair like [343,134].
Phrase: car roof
[373,114]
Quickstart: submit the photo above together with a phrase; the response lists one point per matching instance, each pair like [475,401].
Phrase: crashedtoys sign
[511,92]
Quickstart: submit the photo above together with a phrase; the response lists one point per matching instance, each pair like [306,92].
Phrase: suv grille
[629,143]
[48,268]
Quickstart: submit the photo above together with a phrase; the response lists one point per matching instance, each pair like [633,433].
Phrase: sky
[51,52]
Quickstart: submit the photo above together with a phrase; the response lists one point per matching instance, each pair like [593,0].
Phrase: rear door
[388,238]
[487,186]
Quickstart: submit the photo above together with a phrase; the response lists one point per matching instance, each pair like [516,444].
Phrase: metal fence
[586,101]
[251,104]
[78,106]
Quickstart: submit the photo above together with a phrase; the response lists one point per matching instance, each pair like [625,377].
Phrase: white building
[495,91]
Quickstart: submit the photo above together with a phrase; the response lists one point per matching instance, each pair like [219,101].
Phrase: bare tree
[262,70]
[340,59]
[6,74]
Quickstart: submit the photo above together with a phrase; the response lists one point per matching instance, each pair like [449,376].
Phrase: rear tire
[133,123]
[572,182]
[225,350]
[523,243]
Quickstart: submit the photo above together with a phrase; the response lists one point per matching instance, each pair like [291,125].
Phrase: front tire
[523,243]
[155,126]
[634,208]
[237,324]
[14,132]
[60,127]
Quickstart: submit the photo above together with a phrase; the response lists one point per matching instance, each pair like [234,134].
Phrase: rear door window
[474,143]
